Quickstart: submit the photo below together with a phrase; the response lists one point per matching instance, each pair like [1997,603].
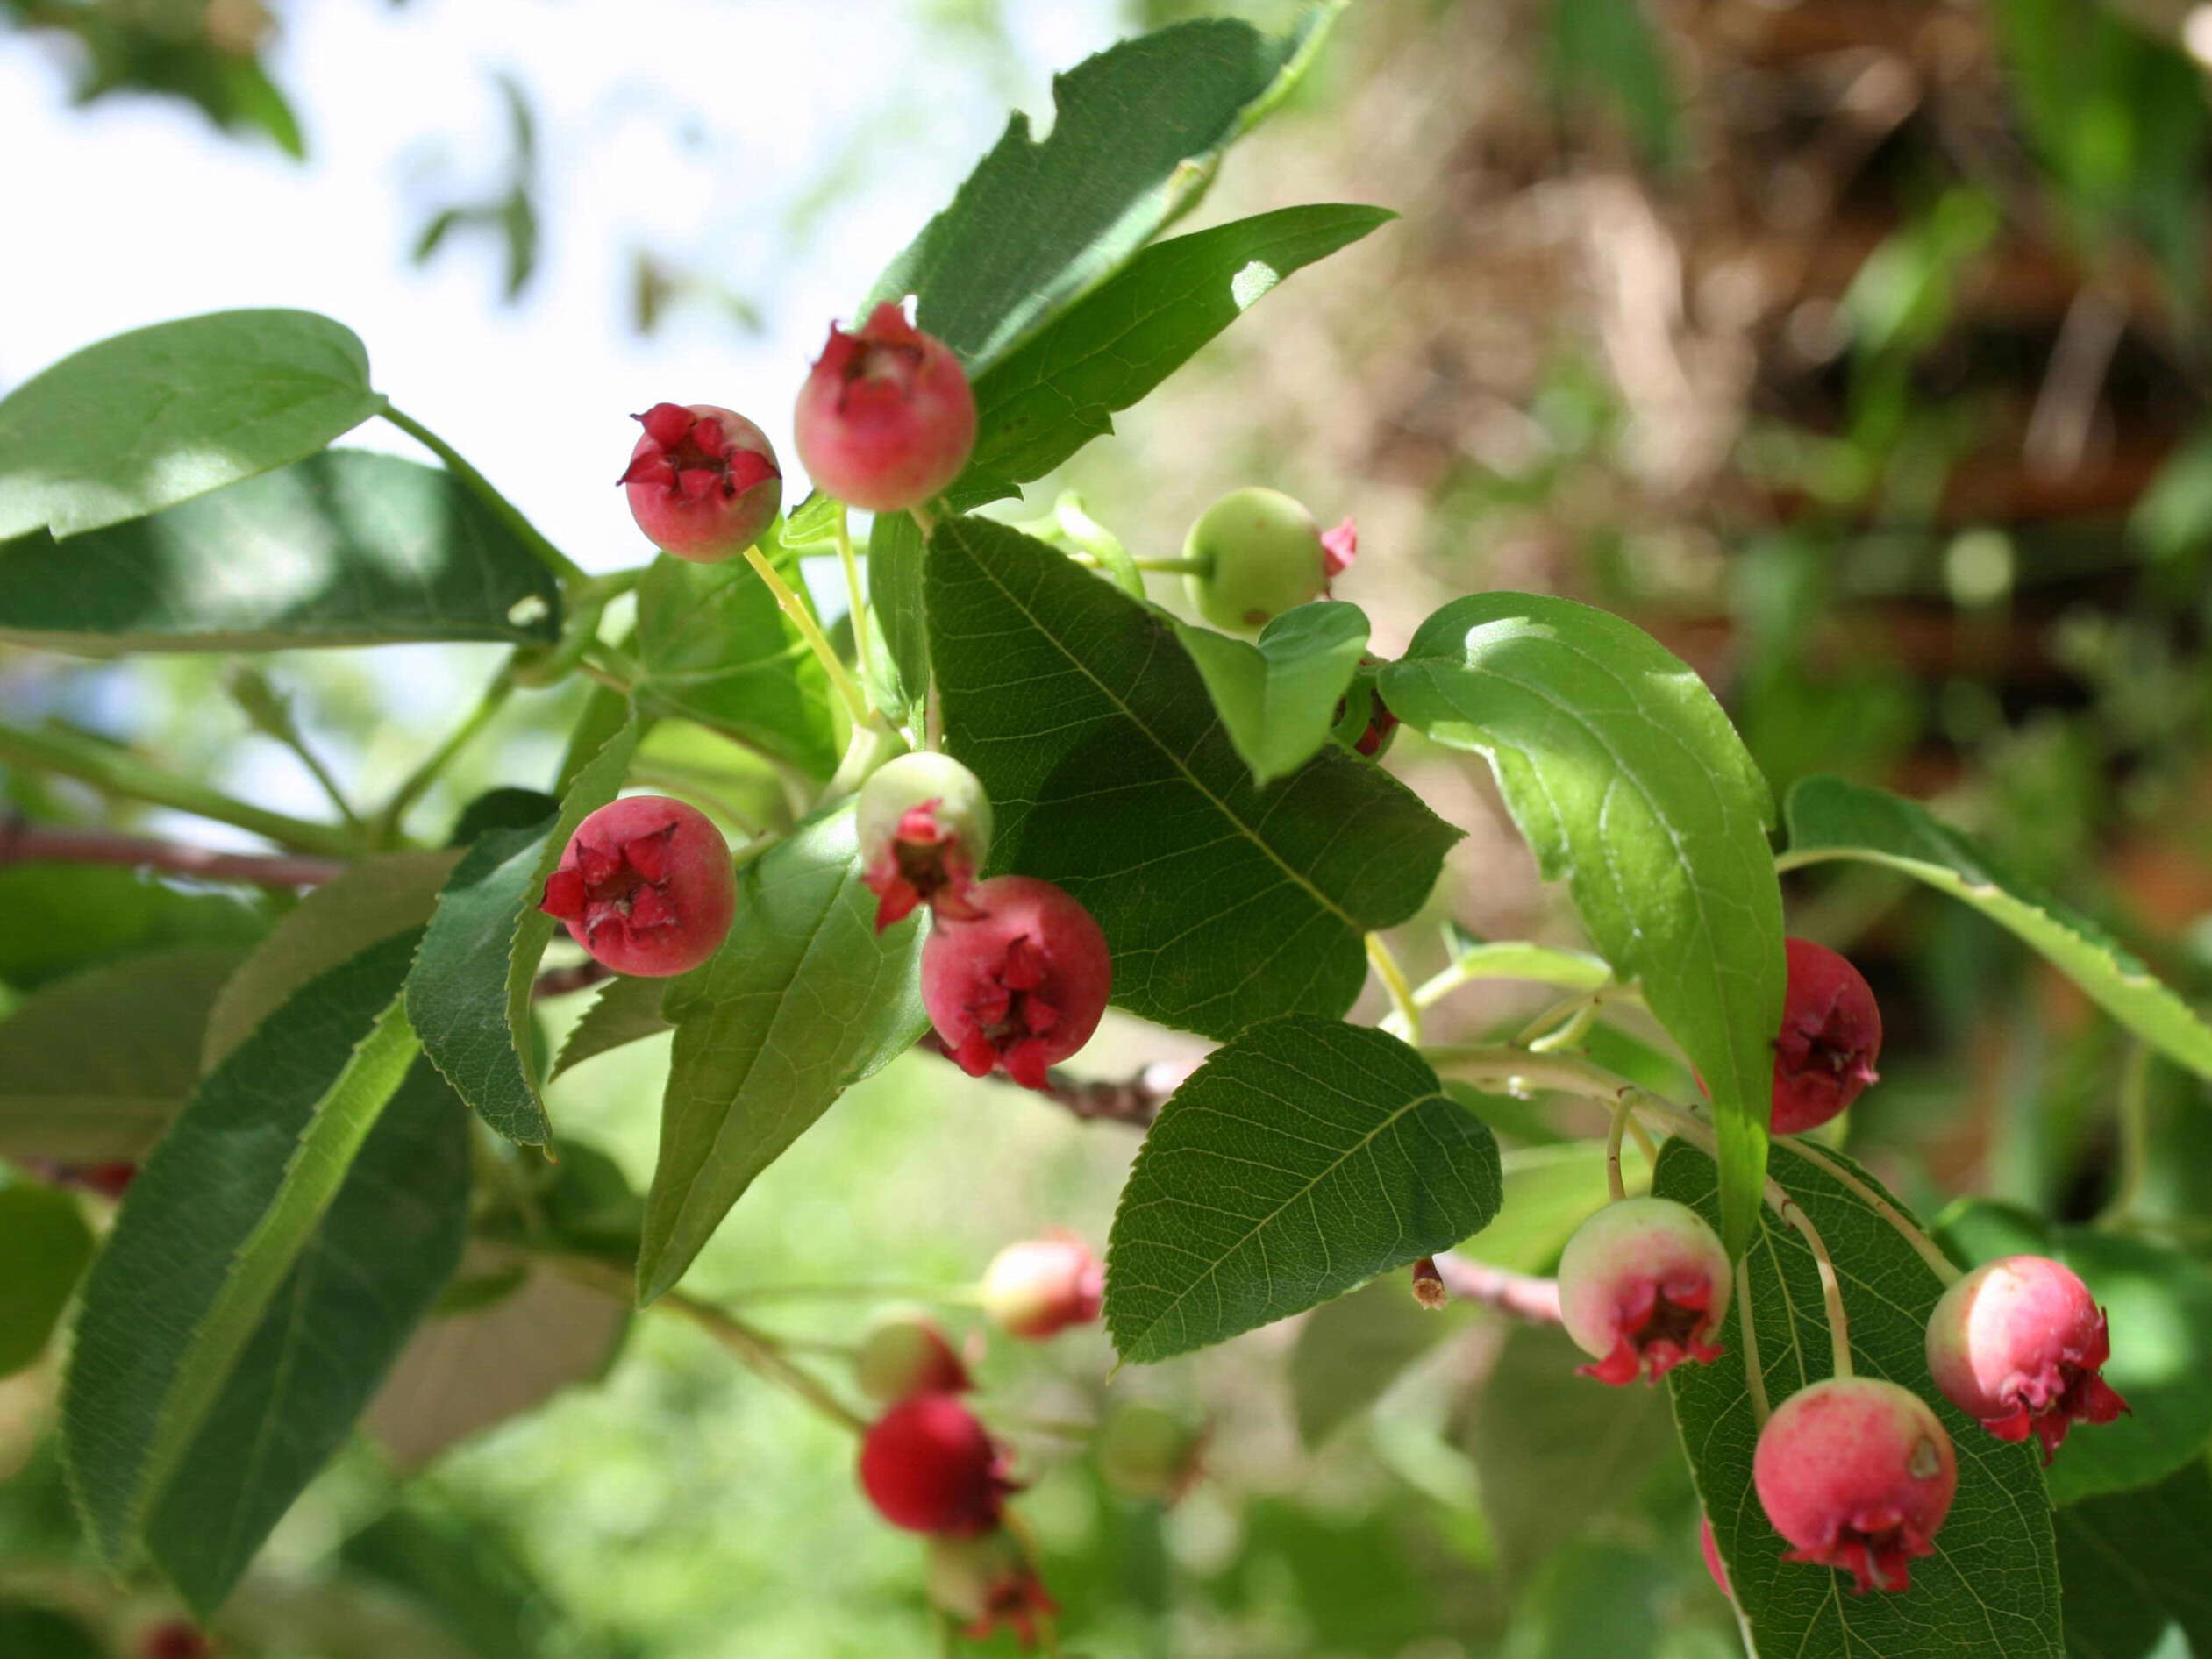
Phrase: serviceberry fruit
[904,1353]
[1022,986]
[1260,554]
[925,826]
[2017,1344]
[1856,1473]
[174,1640]
[1831,1038]
[1041,1286]
[1145,1452]
[645,886]
[1363,721]
[989,1584]
[928,1465]
[702,482]
[1710,1547]
[887,418]
[1643,1285]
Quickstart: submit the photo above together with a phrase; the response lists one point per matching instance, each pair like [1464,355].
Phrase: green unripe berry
[1145,1452]
[1260,554]
[904,1354]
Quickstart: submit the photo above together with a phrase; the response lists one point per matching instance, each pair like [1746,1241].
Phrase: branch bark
[25,842]
[1135,1100]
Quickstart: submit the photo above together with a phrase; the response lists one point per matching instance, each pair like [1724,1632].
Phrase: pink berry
[928,1465]
[1856,1473]
[2017,1344]
[1041,1286]
[1643,1285]
[645,886]
[886,420]
[924,825]
[904,1354]
[1831,1038]
[1020,987]
[989,1586]
[174,1640]
[702,482]
[1710,1547]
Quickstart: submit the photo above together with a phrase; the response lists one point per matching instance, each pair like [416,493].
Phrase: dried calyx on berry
[989,1584]
[1643,1285]
[1258,554]
[887,419]
[1829,1040]
[1022,985]
[2018,1344]
[702,482]
[905,1353]
[1856,1473]
[1363,722]
[1041,1286]
[928,1465]
[645,886]
[925,826]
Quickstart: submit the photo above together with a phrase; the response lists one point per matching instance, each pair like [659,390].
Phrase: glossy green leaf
[2133,1564]
[346,548]
[44,1243]
[717,650]
[625,1011]
[150,418]
[897,562]
[1991,1589]
[1831,818]
[470,992]
[63,918]
[1137,133]
[1224,903]
[1628,782]
[803,999]
[1301,1160]
[64,1100]
[271,1258]
[1277,698]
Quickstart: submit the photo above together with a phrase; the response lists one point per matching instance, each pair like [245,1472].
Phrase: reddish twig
[24,843]
[1135,1100]
[560,982]
[1523,1295]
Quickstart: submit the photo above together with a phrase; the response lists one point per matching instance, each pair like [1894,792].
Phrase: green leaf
[1278,699]
[64,1100]
[1474,958]
[715,649]
[158,415]
[462,1572]
[1550,1191]
[41,1633]
[1138,132]
[1991,1589]
[1224,903]
[273,1254]
[63,918]
[46,1244]
[898,560]
[1627,779]
[1350,1351]
[337,922]
[803,999]
[1108,351]
[468,995]
[625,1011]
[2133,1561]
[813,521]
[1830,818]
[1301,1160]
[346,548]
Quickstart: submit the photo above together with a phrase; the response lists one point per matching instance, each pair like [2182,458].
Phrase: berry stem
[24,843]
[856,597]
[1104,547]
[2131,1113]
[1614,1184]
[801,617]
[1928,1249]
[552,558]
[384,826]
[1754,1375]
[1404,1010]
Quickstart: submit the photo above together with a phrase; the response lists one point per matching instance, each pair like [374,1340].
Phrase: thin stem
[1929,1251]
[801,617]
[1385,968]
[411,790]
[862,647]
[613,585]
[1519,1071]
[2131,1110]
[1643,1142]
[115,772]
[1172,566]
[1522,1295]
[1754,1376]
[1614,1184]
[22,842]
[854,1290]
[550,556]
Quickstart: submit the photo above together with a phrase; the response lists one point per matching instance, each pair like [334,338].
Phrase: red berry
[886,420]
[1710,1547]
[1831,1038]
[1020,987]
[1041,1286]
[174,1640]
[924,825]
[1643,1285]
[905,1353]
[2017,1344]
[988,1583]
[645,886]
[1857,1473]
[702,482]
[927,1465]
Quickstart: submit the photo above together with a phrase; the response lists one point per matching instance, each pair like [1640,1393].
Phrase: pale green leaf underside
[1303,1159]
[1831,818]
[155,416]
[625,1011]
[1277,698]
[1628,780]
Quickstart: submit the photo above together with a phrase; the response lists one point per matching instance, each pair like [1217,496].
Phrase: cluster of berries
[1855,1472]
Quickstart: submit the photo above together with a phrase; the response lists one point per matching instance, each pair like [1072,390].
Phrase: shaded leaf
[1550,1191]
[1277,698]
[66,917]
[625,1011]
[2133,1562]
[1350,1351]
[461,1573]
[1301,1160]
[44,1243]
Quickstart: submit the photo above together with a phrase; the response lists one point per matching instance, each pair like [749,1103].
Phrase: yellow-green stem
[863,648]
[1407,1015]
[801,617]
